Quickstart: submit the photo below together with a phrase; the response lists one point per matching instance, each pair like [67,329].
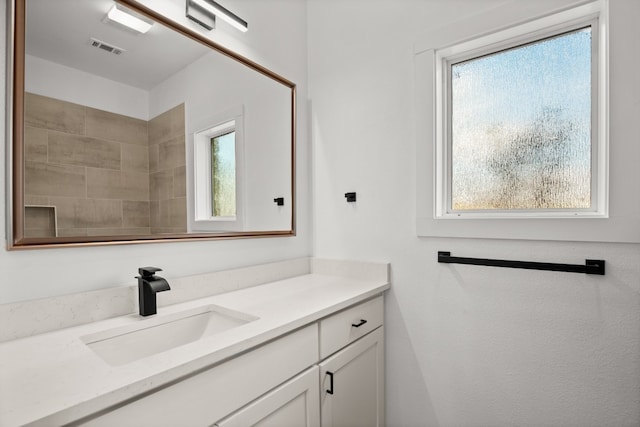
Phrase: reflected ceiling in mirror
[122,137]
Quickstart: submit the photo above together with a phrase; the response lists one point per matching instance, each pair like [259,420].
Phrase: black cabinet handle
[357,325]
[330,390]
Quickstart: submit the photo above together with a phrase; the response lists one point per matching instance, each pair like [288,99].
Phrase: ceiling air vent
[106,46]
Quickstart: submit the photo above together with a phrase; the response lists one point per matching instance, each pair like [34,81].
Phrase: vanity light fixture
[204,12]
[123,17]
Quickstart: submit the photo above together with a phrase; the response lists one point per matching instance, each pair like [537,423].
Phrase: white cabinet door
[352,384]
[293,404]
[200,400]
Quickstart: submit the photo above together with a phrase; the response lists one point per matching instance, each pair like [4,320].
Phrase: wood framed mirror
[116,137]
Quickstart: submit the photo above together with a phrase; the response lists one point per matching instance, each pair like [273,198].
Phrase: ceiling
[60,31]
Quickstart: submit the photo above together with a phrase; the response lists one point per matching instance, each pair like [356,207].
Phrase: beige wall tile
[107,184]
[178,213]
[71,232]
[36,200]
[88,213]
[49,113]
[167,125]
[180,181]
[173,214]
[167,230]
[43,179]
[135,214]
[135,158]
[154,213]
[118,231]
[80,175]
[153,158]
[116,127]
[35,144]
[164,214]
[83,151]
[161,185]
[171,154]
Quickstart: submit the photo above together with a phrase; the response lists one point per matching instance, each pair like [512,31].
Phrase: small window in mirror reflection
[223,175]
[218,173]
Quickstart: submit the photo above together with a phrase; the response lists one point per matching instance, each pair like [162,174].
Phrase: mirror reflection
[145,135]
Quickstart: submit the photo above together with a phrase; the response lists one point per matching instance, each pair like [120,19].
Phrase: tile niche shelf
[40,221]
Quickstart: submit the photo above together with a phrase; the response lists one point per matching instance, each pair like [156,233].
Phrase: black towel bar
[592,266]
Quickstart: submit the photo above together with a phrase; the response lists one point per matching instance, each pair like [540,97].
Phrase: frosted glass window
[520,127]
[223,175]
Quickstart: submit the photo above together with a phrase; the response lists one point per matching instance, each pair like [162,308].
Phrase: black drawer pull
[330,390]
[357,325]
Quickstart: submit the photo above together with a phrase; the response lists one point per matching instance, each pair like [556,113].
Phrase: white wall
[467,346]
[276,40]
[265,104]
[57,81]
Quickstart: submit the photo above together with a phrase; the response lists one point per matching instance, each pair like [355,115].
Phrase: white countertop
[54,378]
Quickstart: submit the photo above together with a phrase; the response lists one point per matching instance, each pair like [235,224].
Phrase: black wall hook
[351,197]
[279,201]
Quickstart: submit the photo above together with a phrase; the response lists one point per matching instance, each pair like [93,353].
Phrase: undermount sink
[147,337]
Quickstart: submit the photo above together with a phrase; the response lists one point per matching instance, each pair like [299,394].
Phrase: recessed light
[123,17]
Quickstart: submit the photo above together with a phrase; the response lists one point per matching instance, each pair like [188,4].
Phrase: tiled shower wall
[92,165]
[167,168]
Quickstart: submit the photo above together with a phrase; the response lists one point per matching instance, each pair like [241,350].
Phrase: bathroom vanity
[306,350]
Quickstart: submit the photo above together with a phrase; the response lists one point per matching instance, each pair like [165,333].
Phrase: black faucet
[148,285]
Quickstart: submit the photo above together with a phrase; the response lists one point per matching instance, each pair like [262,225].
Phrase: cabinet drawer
[342,328]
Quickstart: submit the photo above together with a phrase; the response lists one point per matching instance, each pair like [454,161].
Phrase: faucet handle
[147,272]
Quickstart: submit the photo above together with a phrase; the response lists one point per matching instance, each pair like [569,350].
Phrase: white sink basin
[150,336]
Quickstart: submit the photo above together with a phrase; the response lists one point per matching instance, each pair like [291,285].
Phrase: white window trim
[621,222]
[203,219]
[531,32]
